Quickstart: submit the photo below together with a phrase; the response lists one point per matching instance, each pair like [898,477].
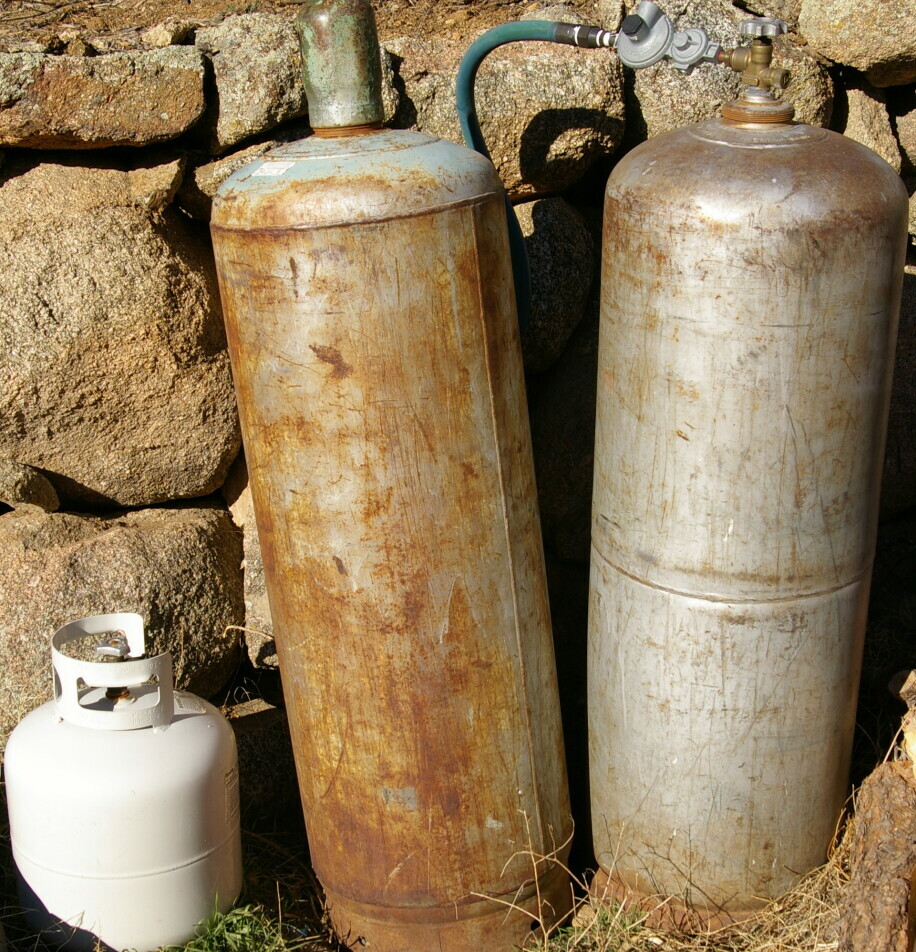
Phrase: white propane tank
[123,798]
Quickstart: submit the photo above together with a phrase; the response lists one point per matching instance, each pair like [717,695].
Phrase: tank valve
[114,647]
[757,102]
[753,62]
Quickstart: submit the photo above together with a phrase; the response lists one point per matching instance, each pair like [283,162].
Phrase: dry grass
[282,911]
[803,920]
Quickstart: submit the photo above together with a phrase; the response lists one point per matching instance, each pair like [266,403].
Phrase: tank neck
[341,65]
[759,107]
[346,132]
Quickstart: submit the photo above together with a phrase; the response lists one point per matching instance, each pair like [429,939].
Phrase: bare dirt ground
[52,20]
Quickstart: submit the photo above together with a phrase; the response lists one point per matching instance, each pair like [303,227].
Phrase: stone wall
[119,439]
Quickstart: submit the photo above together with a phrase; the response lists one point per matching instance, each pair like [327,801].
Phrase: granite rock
[867,121]
[259,630]
[561,257]
[179,568]
[24,487]
[84,102]
[257,75]
[114,373]
[874,36]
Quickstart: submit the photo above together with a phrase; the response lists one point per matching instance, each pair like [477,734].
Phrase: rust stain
[409,706]
[686,389]
[332,356]
[778,340]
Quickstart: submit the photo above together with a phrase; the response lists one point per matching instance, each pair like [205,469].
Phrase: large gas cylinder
[369,309]
[751,281]
[123,798]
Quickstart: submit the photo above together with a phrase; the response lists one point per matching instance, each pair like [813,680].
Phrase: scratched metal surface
[341,68]
[751,289]
[375,350]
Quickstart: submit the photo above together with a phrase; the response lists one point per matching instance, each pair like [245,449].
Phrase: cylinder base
[664,912]
[492,924]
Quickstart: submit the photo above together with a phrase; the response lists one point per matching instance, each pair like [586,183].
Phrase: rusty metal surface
[750,295]
[379,378]
[310,183]
[341,71]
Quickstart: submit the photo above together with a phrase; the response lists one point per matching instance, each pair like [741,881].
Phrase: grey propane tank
[751,281]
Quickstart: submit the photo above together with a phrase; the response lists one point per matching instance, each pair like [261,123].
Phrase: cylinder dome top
[340,63]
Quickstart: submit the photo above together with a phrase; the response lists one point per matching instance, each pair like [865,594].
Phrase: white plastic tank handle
[153,705]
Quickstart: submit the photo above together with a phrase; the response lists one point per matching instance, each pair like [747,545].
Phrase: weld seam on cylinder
[82,874]
[482,199]
[735,599]
[476,907]
[523,675]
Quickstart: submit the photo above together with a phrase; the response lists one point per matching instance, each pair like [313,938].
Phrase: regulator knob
[632,24]
[763,26]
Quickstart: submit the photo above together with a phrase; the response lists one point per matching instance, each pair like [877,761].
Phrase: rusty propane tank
[751,282]
[374,345]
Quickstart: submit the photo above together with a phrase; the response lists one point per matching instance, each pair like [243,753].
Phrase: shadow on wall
[546,129]
[406,115]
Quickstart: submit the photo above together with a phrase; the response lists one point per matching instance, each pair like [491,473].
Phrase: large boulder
[561,257]
[867,121]
[875,36]
[179,568]
[257,70]
[90,102]
[114,374]
[546,111]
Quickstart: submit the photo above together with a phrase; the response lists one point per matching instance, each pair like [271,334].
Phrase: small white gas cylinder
[123,798]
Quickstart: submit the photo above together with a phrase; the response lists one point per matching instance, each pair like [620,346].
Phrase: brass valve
[753,62]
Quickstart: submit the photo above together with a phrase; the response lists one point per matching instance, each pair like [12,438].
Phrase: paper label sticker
[188,702]
[273,168]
